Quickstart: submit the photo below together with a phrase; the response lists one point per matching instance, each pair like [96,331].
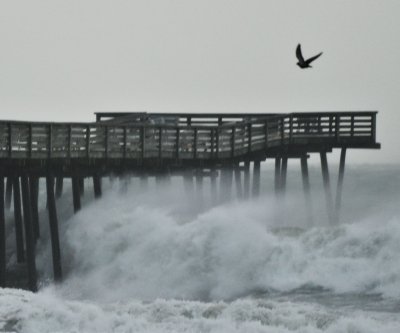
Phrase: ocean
[159,259]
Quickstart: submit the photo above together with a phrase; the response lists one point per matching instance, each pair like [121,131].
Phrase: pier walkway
[162,144]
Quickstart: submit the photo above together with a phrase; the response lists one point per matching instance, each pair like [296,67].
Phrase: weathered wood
[81,186]
[225,188]
[306,187]
[76,197]
[256,178]
[283,177]
[97,186]
[277,175]
[34,193]
[327,188]
[8,193]
[339,188]
[2,234]
[18,220]
[59,186]
[238,182]
[246,180]
[53,222]
[29,234]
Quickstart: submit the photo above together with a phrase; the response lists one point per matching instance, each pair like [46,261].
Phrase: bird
[304,63]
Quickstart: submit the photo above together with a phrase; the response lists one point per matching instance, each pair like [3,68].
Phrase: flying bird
[304,63]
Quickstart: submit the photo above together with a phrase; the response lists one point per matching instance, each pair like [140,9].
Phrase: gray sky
[63,60]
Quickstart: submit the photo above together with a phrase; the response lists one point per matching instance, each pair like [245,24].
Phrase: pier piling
[2,234]
[19,237]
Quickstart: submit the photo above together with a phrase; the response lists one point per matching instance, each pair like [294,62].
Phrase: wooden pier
[161,144]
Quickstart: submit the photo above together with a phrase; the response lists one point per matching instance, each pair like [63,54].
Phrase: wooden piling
[327,188]
[306,187]
[277,175]
[246,180]
[213,186]
[2,235]
[283,175]
[8,193]
[97,186]
[225,188]
[18,220]
[59,186]
[76,197]
[339,188]
[199,188]
[29,234]
[81,181]
[256,178]
[53,222]
[34,192]
[238,182]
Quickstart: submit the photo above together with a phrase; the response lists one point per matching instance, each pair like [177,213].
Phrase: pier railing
[207,138]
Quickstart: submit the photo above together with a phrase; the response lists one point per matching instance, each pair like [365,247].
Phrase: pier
[228,148]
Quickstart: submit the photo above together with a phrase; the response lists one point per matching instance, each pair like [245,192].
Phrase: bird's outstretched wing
[298,53]
[310,60]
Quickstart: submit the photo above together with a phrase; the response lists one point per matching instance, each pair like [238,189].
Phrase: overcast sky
[63,60]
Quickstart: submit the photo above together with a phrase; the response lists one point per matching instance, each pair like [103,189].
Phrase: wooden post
[199,188]
[8,193]
[188,183]
[325,178]
[340,184]
[59,186]
[18,220]
[213,185]
[277,175]
[29,234]
[256,178]
[225,187]
[81,186]
[34,192]
[97,186]
[76,193]
[283,177]
[306,187]
[2,235]
[53,222]
[246,180]
[238,182]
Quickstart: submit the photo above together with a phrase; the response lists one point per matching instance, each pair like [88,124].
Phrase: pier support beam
[246,180]
[199,188]
[256,179]
[277,175]
[2,235]
[225,188]
[327,187]
[29,234]
[213,186]
[76,196]
[19,237]
[97,186]
[59,186]
[81,186]
[53,222]
[282,185]
[34,192]
[306,187]
[339,188]
[8,193]
[238,182]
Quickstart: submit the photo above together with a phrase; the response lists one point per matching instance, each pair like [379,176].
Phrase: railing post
[9,140]
[177,143]
[373,127]
[290,128]
[195,143]
[69,141]
[266,134]
[49,141]
[87,141]
[142,142]
[30,141]
[282,121]
[212,142]
[105,141]
[160,142]
[337,128]
[217,142]
[233,142]
[249,138]
[352,126]
[124,152]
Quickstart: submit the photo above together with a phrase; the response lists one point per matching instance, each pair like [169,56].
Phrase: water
[155,262]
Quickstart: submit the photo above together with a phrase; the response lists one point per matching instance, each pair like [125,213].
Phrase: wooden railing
[211,139]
